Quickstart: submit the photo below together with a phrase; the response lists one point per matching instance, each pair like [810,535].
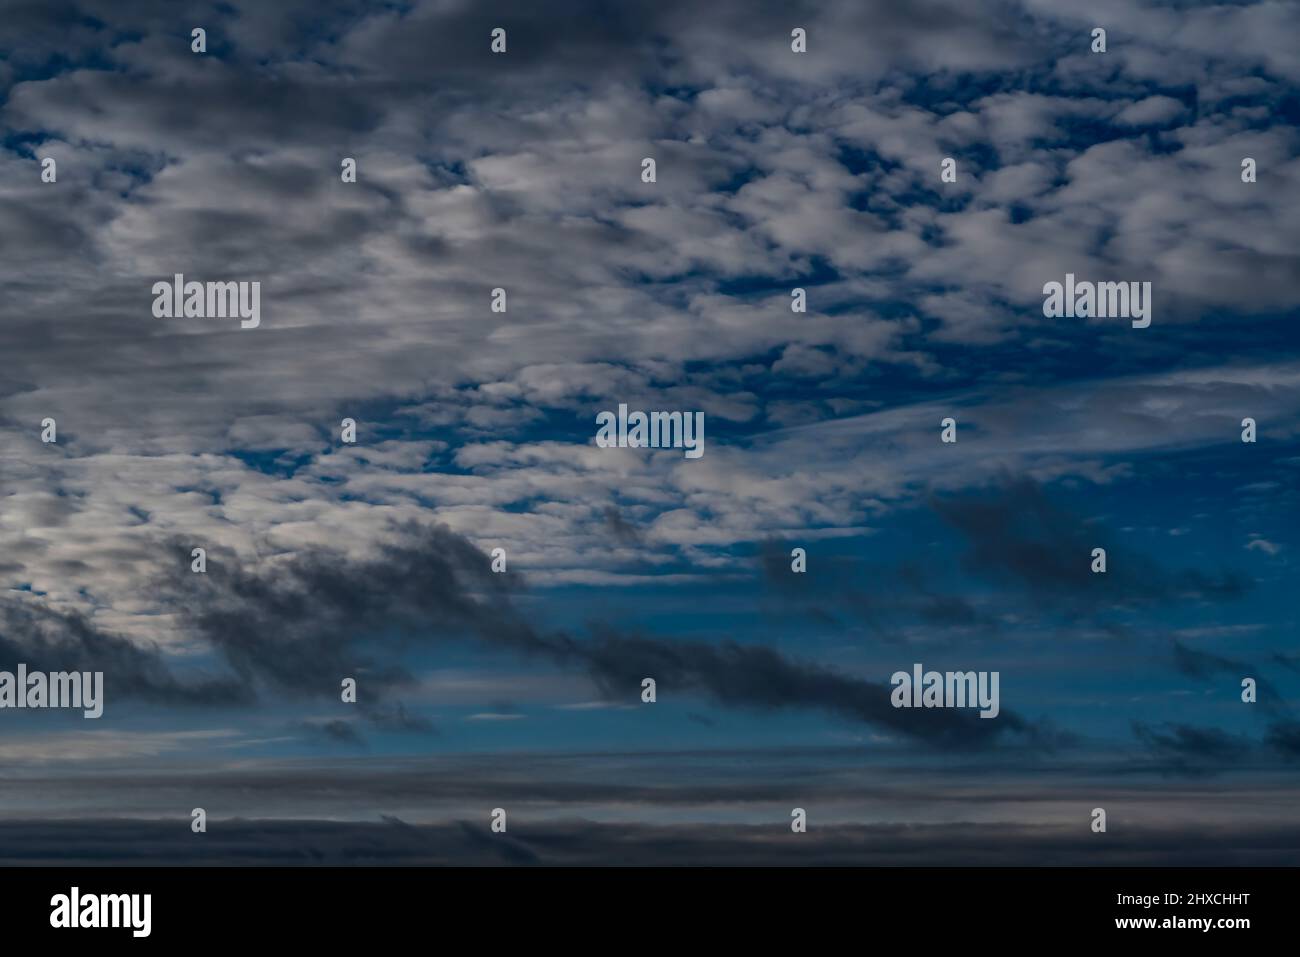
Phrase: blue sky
[775,170]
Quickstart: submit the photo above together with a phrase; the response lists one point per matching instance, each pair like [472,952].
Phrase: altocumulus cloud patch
[357,369]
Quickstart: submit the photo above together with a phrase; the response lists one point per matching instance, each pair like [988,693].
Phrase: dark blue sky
[475,428]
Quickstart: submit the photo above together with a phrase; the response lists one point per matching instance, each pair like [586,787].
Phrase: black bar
[545,907]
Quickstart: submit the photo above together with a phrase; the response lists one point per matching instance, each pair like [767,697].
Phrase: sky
[775,170]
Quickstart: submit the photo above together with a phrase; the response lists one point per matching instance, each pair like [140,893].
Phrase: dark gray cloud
[1205,666]
[756,677]
[1017,535]
[1194,750]
[49,640]
[648,807]
[1282,733]
[336,731]
[1284,737]
[623,531]
[298,626]
[302,623]
[1289,662]
[888,598]
[393,841]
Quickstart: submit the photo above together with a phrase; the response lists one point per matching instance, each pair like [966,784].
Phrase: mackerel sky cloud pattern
[476,429]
